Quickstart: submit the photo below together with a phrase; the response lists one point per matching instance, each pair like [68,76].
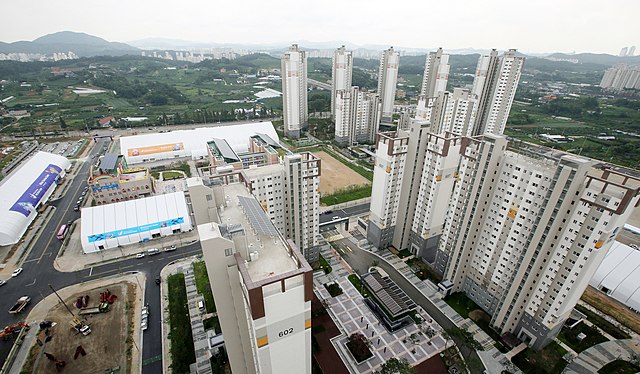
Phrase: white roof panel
[618,275]
[24,189]
[184,143]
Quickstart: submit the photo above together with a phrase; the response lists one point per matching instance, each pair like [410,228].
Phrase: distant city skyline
[543,26]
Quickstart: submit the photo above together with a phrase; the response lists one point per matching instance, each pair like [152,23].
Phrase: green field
[182,350]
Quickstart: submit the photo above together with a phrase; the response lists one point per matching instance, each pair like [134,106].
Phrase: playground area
[107,348]
[336,175]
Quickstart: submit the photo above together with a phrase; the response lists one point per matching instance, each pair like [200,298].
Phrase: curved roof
[618,275]
[22,191]
[193,143]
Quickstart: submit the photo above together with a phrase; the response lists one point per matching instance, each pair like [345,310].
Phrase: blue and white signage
[135,230]
[30,199]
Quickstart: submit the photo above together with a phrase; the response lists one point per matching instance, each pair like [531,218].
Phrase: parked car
[76,208]
[170,248]
[153,251]
[158,281]
[140,255]
[2,282]
[16,272]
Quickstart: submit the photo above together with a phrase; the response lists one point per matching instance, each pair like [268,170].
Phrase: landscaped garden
[182,350]
[548,360]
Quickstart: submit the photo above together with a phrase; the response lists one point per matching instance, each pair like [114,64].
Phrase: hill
[598,58]
[84,45]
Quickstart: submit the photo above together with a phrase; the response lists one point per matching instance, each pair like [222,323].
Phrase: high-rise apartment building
[621,76]
[356,117]
[453,112]
[288,193]
[387,80]
[341,74]
[526,233]
[436,74]
[519,232]
[262,284]
[294,91]
[495,87]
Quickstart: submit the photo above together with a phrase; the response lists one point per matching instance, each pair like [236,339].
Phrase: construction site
[89,332]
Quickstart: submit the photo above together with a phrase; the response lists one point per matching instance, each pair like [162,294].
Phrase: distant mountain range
[597,58]
[84,45]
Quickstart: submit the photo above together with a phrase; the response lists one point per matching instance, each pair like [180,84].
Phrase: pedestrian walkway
[200,341]
[593,359]
[494,360]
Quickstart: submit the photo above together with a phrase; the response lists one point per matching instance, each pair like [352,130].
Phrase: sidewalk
[71,258]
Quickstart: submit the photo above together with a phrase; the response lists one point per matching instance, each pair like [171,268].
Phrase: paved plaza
[352,315]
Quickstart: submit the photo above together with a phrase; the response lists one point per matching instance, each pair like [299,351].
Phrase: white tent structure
[190,143]
[618,275]
[25,190]
[134,221]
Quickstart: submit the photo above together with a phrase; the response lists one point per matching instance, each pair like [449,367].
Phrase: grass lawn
[357,283]
[404,253]
[603,324]
[425,272]
[348,193]
[212,323]
[182,350]
[619,367]
[548,360]
[203,286]
[168,175]
[612,307]
[461,304]
[325,265]
[570,337]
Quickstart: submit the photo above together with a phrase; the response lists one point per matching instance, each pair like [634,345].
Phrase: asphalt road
[39,272]
[351,211]
[361,260]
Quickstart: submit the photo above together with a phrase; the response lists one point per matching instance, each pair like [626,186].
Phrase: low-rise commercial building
[129,222]
[112,181]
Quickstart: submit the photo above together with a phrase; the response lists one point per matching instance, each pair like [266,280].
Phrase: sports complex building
[190,143]
[134,221]
[25,190]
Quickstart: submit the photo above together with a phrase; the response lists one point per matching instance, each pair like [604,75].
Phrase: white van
[201,305]
[153,251]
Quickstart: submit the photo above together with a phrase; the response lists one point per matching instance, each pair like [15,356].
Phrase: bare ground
[612,307]
[108,345]
[336,175]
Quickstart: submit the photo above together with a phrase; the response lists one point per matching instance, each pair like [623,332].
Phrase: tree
[395,366]
[466,339]
[63,124]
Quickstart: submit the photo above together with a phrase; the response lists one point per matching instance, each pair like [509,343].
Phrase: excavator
[8,331]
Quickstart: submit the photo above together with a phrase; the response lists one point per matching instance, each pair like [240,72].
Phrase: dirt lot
[335,175]
[105,346]
[612,307]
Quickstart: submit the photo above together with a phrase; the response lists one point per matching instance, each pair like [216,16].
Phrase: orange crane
[8,331]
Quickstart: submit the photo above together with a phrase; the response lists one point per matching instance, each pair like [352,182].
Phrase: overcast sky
[528,25]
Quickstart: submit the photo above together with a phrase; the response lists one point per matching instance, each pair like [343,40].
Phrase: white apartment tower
[495,87]
[387,80]
[356,117]
[288,193]
[453,112]
[436,74]
[294,91]
[525,234]
[621,77]
[262,284]
[341,74]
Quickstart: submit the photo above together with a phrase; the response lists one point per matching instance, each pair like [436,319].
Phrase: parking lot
[66,148]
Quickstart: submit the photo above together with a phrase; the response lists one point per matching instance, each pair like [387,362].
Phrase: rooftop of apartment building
[269,253]
[540,151]
[221,148]
[256,172]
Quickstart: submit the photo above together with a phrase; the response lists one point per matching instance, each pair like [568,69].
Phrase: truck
[102,308]
[20,305]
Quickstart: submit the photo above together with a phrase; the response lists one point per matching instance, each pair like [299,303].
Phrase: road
[351,211]
[39,272]
[360,260]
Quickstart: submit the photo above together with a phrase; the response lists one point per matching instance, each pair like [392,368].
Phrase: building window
[228,251]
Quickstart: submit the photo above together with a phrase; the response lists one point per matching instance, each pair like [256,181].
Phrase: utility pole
[62,302]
